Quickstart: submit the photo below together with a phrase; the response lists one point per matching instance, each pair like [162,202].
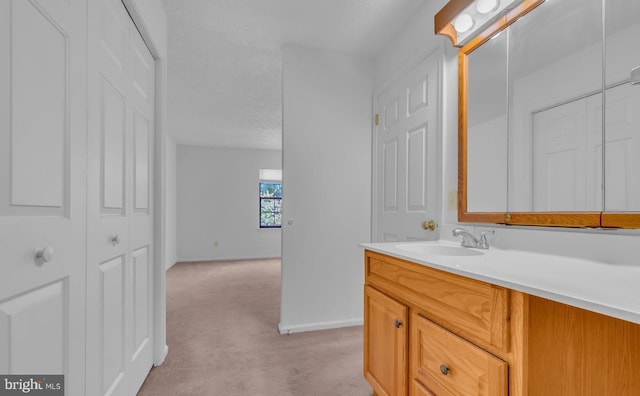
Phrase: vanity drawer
[450,365]
[475,310]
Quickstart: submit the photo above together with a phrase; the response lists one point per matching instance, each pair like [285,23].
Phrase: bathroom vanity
[440,319]
[547,136]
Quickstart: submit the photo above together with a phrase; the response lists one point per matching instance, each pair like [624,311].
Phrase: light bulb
[463,23]
[486,6]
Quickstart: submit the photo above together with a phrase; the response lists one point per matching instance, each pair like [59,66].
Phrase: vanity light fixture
[463,23]
[487,6]
[462,20]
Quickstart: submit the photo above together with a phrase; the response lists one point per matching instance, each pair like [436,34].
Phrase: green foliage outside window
[270,205]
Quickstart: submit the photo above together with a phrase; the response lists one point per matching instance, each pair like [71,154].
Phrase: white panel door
[407,155]
[107,209]
[119,202]
[42,188]
[140,272]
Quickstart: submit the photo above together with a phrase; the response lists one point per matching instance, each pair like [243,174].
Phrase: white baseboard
[160,359]
[290,329]
[195,260]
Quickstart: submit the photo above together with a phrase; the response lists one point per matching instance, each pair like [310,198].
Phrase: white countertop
[609,289]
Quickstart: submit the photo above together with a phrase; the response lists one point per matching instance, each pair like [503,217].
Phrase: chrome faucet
[468,240]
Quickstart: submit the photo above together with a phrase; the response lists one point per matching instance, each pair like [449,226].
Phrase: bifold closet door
[119,200]
[42,188]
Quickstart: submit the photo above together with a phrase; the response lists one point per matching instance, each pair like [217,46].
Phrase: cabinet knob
[444,369]
[397,323]
[115,240]
[45,255]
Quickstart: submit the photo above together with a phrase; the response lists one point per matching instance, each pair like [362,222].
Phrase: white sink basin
[438,250]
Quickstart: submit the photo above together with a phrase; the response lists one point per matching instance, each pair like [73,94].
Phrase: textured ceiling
[225,70]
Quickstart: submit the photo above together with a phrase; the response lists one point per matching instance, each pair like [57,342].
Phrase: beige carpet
[222,321]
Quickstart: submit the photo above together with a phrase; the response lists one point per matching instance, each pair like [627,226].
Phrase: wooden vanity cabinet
[577,352]
[428,332]
[432,333]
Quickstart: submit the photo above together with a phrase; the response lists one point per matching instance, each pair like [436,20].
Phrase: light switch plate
[453,200]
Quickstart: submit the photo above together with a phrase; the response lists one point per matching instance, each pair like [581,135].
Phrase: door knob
[429,225]
[115,240]
[45,255]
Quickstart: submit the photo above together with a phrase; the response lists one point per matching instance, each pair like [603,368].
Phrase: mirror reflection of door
[555,64]
[622,142]
[567,152]
[622,118]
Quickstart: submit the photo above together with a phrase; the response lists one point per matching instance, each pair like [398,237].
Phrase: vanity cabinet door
[385,343]
[449,365]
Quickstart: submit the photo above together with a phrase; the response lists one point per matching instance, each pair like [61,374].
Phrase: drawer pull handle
[397,323]
[444,369]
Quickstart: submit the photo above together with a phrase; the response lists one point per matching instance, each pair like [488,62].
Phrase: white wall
[326,187]
[412,44]
[171,251]
[217,200]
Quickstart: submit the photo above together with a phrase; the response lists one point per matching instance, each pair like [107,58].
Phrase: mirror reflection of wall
[535,126]
[487,139]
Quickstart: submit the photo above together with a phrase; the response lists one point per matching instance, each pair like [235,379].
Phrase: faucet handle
[483,243]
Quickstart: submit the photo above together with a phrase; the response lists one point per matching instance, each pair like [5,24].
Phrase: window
[270,204]
[270,193]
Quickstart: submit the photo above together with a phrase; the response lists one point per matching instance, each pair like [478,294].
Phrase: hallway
[222,320]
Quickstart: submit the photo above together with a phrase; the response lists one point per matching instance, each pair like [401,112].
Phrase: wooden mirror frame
[587,219]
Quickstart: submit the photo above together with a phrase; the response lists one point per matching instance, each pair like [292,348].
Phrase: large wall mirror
[550,116]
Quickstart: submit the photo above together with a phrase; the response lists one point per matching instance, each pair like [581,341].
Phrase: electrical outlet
[453,200]
[215,243]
